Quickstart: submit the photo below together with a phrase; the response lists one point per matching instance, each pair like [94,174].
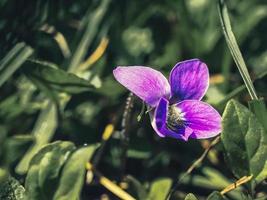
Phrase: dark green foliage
[44,170]
[13,60]
[55,104]
[11,189]
[244,141]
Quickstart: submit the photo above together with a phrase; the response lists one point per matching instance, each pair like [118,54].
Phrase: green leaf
[11,189]
[73,172]
[43,131]
[49,78]
[259,109]
[160,188]
[44,170]
[13,60]
[244,141]
[90,24]
[190,196]
[216,196]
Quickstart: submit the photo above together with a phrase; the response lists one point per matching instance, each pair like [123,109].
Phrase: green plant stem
[193,166]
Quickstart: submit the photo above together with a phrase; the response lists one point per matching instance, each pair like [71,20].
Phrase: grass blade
[91,23]
[234,49]
[13,60]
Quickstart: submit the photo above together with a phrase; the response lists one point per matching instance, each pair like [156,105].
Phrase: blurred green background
[40,102]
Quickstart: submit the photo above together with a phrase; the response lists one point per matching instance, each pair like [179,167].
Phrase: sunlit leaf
[44,170]
[190,196]
[73,172]
[160,189]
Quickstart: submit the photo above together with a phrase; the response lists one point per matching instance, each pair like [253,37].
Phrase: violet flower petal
[189,80]
[148,84]
[202,118]
[160,119]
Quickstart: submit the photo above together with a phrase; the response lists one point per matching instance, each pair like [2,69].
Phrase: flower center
[175,118]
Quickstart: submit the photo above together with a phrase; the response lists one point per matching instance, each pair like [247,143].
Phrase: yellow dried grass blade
[96,55]
[234,185]
[107,132]
[59,38]
[112,187]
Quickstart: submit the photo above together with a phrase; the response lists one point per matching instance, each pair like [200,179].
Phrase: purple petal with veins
[161,122]
[189,80]
[148,84]
[202,118]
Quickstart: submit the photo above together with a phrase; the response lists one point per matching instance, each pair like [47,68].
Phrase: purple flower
[177,110]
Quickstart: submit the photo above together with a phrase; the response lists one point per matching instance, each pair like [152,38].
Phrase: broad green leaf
[160,189]
[73,172]
[50,78]
[216,196]
[13,60]
[44,170]
[190,196]
[90,24]
[11,189]
[259,109]
[244,141]
[43,131]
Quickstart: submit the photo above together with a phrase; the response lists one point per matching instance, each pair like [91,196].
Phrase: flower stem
[193,166]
